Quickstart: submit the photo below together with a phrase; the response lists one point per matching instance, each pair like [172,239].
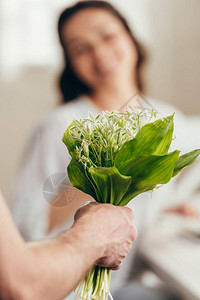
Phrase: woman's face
[99,48]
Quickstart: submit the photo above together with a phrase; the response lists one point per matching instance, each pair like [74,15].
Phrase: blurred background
[30,64]
[31,59]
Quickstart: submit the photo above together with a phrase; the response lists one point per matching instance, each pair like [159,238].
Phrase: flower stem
[95,285]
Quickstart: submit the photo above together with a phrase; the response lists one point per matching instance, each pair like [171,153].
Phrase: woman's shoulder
[164,108]
[185,126]
[69,111]
[62,116]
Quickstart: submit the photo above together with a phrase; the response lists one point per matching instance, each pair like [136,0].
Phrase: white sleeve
[45,155]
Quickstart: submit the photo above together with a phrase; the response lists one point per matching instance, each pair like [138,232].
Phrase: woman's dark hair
[70,85]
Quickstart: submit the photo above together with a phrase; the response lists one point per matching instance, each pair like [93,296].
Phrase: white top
[46,155]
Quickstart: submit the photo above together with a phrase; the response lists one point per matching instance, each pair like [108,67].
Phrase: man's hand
[50,269]
[111,228]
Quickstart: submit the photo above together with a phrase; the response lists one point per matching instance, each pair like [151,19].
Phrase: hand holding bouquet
[114,159]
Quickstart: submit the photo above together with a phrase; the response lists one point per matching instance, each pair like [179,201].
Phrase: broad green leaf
[110,183]
[149,170]
[78,178]
[152,138]
[185,160]
[70,142]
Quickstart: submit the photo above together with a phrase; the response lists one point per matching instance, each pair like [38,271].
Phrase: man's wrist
[83,240]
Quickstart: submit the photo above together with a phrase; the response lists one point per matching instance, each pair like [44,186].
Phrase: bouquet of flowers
[114,159]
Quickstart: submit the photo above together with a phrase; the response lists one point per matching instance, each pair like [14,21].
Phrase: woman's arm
[52,268]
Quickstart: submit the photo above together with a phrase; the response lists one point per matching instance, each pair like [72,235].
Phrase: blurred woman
[102,71]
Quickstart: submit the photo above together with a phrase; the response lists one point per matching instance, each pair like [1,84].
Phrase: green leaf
[149,170]
[70,142]
[152,138]
[78,178]
[185,160]
[110,184]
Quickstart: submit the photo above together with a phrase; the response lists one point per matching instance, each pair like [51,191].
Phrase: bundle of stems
[95,285]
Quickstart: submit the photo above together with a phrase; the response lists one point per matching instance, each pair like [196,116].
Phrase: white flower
[103,135]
